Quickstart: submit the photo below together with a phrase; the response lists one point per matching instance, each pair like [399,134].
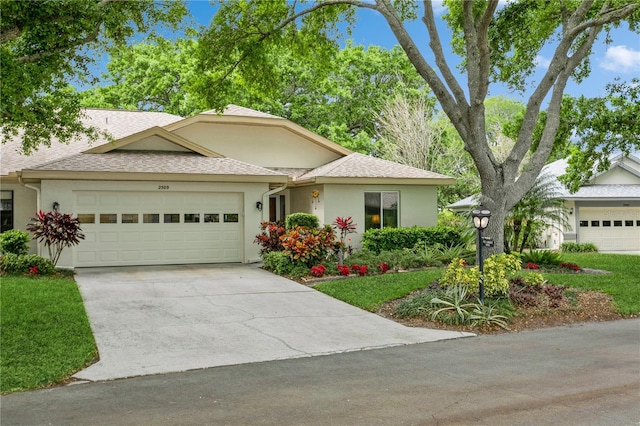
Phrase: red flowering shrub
[384,267]
[343,270]
[318,271]
[34,271]
[569,265]
[531,265]
[355,267]
[362,271]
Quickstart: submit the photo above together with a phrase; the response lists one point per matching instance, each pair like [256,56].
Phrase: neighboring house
[605,212]
[168,190]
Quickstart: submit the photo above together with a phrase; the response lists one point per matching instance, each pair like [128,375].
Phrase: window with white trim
[381,209]
[6,210]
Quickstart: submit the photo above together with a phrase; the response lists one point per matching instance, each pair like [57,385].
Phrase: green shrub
[497,271]
[21,264]
[457,274]
[541,257]
[14,241]
[277,262]
[388,239]
[302,219]
[578,248]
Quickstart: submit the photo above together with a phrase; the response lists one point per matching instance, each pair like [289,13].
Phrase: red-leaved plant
[343,270]
[318,271]
[384,267]
[269,238]
[57,231]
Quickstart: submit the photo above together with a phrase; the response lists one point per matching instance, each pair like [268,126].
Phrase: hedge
[377,240]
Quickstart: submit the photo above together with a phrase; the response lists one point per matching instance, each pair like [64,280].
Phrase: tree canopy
[44,47]
[498,44]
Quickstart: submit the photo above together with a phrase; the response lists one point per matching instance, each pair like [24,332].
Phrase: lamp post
[480,216]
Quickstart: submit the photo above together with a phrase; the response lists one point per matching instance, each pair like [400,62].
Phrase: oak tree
[498,44]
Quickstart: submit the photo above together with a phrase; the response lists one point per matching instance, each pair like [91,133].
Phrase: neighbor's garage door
[610,228]
[151,228]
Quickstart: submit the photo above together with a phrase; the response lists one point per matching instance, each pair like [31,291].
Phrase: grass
[370,292]
[623,284]
[46,335]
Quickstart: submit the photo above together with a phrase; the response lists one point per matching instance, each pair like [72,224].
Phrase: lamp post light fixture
[480,216]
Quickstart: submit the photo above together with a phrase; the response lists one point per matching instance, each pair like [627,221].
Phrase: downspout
[38,203]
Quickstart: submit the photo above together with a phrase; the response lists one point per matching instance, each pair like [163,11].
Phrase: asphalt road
[580,375]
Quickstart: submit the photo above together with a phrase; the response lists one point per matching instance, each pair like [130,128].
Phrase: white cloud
[541,61]
[621,59]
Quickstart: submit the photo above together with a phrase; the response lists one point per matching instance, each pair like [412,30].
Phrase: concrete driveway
[153,320]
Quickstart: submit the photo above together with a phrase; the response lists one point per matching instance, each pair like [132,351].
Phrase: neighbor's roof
[117,123]
[243,112]
[357,165]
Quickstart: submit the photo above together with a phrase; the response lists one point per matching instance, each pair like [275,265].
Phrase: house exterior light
[480,216]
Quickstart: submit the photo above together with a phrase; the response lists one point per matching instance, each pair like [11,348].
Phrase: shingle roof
[118,123]
[363,166]
[241,112]
[155,162]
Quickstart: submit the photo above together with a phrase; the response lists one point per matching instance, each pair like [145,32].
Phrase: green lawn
[45,336]
[370,292]
[623,283]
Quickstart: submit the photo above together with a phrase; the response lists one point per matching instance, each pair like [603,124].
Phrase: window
[211,218]
[151,218]
[381,210]
[584,223]
[606,223]
[617,223]
[191,218]
[108,218]
[171,218]
[628,223]
[231,217]
[129,218]
[595,223]
[87,218]
[6,210]
[637,222]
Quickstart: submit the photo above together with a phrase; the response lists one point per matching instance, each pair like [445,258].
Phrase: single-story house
[605,211]
[171,190]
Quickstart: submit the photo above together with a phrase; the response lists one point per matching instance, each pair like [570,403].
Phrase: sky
[620,59]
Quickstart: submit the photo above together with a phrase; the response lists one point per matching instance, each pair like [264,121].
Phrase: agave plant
[486,315]
[452,307]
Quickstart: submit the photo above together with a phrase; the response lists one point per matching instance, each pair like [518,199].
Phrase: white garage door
[610,228]
[158,228]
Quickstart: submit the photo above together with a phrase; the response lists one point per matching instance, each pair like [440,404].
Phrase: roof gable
[134,142]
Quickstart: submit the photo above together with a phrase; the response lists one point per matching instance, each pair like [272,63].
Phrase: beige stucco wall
[154,143]
[260,145]
[62,192]
[418,204]
[24,206]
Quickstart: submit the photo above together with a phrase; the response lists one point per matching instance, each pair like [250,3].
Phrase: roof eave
[375,181]
[129,176]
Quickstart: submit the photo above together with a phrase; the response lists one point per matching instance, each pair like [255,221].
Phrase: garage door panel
[148,240]
[108,237]
[610,228]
